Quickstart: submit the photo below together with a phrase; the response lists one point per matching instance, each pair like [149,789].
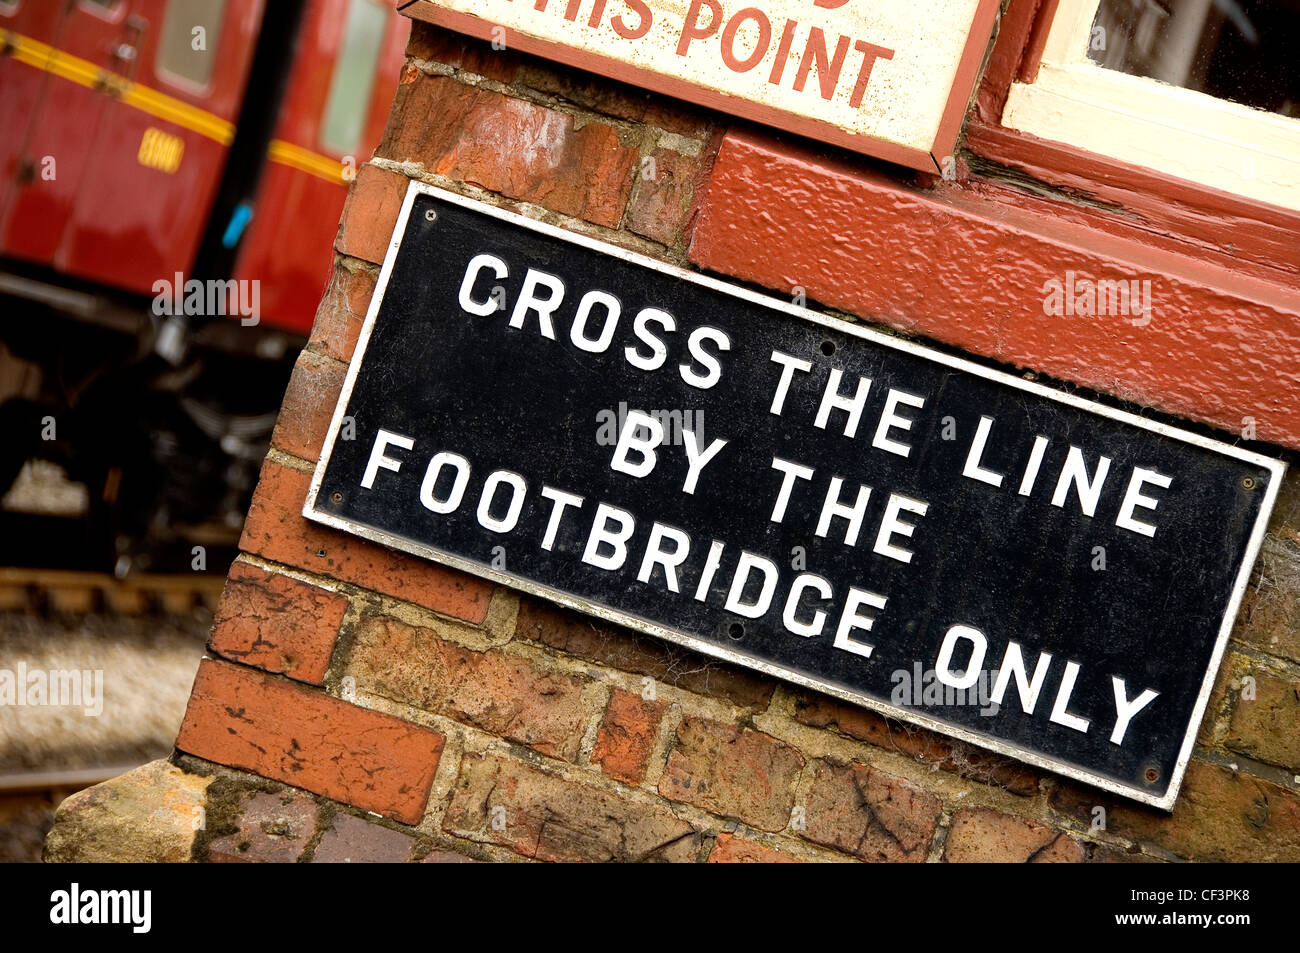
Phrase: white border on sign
[1166,802]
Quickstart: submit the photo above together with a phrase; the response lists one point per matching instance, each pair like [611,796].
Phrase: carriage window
[187,46]
[354,77]
[107,9]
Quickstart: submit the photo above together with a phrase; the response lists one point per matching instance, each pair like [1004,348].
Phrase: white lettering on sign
[889,78]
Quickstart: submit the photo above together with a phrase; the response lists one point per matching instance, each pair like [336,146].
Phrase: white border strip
[1276,468]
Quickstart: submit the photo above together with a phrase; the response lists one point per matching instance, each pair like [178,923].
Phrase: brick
[447,857]
[271,828]
[1109,855]
[511,146]
[870,814]
[601,95]
[1232,668]
[342,311]
[661,197]
[144,816]
[1267,727]
[1220,816]
[732,850]
[308,405]
[276,530]
[437,45]
[256,722]
[1284,524]
[582,636]
[550,818]
[277,623]
[984,835]
[818,711]
[626,735]
[733,771]
[1269,617]
[370,213]
[353,840]
[499,693]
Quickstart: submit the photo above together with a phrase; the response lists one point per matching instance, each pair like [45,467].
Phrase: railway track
[78,592]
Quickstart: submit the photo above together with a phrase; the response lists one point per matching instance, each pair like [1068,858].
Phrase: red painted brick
[438,45]
[972,272]
[733,771]
[277,623]
[271,828]
[353,840]
[342,311]
[626,735]
[870,814]
[512,146]
[499,693]
[732,850]
[276,530]
[549,818]
[966,760]
[283,731]
[661,198]
[984,835]
[587,638]
[308,405]
[370,213]
[601,95]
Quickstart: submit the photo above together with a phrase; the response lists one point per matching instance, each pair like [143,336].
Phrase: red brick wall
[406,711]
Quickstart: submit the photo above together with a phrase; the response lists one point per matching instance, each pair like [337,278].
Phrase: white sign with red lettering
[889,78]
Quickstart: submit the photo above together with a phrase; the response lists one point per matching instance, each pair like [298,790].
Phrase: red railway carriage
[117,133]
[146,141]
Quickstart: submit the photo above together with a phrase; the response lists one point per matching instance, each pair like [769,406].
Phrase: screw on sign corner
[336,498]
[1152,775]
[430,215]
[1248,483]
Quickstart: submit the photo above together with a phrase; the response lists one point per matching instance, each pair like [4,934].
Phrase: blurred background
[171,177]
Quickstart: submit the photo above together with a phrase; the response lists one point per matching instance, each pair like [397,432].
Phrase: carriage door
[57,57]
[139,115]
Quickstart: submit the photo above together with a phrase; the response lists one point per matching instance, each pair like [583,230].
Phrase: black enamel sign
[953,546]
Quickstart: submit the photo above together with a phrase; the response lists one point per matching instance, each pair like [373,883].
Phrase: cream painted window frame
[1179,132]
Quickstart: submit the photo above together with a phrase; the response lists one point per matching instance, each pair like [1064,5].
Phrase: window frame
[328,148]
[1066,98]
[109,14]
[176,80]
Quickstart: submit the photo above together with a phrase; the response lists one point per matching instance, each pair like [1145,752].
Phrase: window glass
[1238,50]
[354,78]
[187,45]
